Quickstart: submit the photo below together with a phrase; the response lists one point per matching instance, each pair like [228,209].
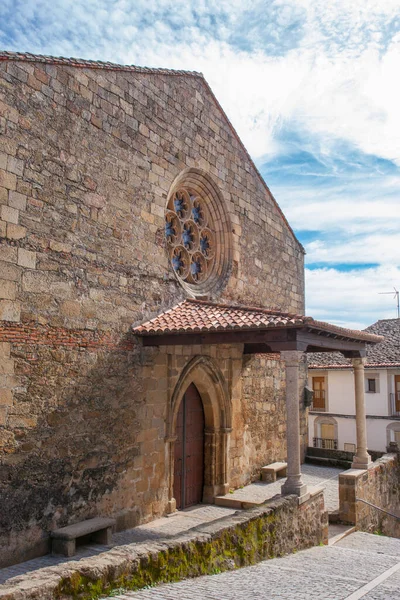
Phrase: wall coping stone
[99,574]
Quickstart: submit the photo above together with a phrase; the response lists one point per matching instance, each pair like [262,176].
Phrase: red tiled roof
[90,64]
[385,355]
[194,316]
[368,365]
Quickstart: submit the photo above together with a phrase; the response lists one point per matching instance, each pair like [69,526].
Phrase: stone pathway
[359,566]
[157,530]
[313,475]
[183,521]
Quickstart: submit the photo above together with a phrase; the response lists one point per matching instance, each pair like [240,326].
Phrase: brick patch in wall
[44,335]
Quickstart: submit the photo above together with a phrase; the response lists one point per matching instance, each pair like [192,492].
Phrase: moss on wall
[257,535]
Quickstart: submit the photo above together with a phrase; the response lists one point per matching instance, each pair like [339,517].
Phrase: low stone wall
[380,486]
[335,458]
[247,537]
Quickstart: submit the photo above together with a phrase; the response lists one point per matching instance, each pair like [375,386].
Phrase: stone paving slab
[165,528]
[225,542]
[313,475]
[377,544]
[331,573]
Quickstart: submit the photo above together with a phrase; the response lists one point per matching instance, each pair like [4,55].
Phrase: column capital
[358,363]
[292,357]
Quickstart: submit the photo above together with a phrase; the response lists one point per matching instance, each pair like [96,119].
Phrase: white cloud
[381,249]
[351,298]
[336,81]
[325,69]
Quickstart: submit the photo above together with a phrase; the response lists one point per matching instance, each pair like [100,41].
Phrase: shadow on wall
[80,435]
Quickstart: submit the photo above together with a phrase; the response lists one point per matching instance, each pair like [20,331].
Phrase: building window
[198,233]
[372,383]
[318,385]
[190,237]
[326,433]
[393,433]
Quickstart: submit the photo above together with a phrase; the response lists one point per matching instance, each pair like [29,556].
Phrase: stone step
[235,502]
[338,532]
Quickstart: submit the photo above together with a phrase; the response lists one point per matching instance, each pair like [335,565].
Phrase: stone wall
[264,412]
[268,531]
[87,158]
[380,486]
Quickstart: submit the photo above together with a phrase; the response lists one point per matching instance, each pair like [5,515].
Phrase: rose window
[190,237]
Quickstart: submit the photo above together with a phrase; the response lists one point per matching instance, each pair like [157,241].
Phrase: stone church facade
[123,192]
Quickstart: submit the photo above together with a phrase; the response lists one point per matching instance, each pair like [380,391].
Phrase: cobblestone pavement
[159,529]
[182,521]
[359,566]
[313,475]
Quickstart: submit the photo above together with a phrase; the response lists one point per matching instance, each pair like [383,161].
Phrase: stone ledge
[245,538]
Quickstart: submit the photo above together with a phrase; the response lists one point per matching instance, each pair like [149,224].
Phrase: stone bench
[99,530]
[272,471]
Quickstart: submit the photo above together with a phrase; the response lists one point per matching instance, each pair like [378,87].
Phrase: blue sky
[313,89]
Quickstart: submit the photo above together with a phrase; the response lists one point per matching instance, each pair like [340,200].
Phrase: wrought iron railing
[317,408]
[325,444]
[395,404]
[378,508]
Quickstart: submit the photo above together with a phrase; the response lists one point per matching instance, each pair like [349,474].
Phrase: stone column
[362,459]
[171,506]
[293,484]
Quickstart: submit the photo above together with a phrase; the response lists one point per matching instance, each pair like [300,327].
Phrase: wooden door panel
[327,431]
[189,450]
[397,392]
[318,384]
[178,458]
[194,447]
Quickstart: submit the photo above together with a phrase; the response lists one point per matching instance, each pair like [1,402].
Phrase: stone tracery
[190,236]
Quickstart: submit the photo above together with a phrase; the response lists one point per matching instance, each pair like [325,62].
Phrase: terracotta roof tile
[90,64]
[192,316]
[384,355]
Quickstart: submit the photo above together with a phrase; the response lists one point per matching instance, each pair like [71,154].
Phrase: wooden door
[397,393]
[189,450]
[318,384]
[327,431]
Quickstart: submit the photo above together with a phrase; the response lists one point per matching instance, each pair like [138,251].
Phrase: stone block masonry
[87,158]
[380,486]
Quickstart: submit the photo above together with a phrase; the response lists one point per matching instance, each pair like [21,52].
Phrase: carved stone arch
[391,430]
[325,420]
[212,387]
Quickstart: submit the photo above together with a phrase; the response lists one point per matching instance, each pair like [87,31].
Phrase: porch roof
[261,330]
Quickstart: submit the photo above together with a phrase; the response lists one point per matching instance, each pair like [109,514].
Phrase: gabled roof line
[195,316]
[91,64]
[97,64]
[338,367]
[236,135]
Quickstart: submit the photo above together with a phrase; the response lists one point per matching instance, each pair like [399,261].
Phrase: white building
[331,419]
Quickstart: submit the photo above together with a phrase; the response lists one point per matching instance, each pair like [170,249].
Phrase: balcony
[318,403]
[325,443]
[395,404]
[317,406]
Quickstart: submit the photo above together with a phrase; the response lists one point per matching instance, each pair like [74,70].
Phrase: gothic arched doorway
[189,450]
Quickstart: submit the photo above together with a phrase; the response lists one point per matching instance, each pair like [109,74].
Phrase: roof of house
[383,355]
[97,64]
[194,316]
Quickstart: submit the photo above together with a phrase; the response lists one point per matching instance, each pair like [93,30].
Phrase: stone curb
[273,529]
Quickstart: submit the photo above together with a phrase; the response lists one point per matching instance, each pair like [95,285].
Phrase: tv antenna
[396,296]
